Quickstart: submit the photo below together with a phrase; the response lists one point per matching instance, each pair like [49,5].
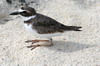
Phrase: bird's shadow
[63,46]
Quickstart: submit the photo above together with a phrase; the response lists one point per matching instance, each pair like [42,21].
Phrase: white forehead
[20,10]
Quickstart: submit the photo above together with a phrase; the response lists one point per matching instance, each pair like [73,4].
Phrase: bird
[42,26]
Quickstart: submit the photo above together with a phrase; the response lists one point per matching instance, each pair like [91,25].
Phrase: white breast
[29,28]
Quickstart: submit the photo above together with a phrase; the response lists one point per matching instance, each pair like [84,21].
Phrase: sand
[69,49]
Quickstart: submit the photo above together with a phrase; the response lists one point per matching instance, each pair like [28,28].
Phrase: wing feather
[43,25]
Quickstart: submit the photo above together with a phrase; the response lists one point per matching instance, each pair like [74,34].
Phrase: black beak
[14,13]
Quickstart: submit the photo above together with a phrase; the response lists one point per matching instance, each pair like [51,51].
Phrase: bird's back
[44,25]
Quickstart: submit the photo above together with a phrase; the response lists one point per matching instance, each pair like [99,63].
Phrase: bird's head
[25,11]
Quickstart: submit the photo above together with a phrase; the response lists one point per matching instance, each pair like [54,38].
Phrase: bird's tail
[73,28]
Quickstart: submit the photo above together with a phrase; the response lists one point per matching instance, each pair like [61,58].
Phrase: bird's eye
[23,13]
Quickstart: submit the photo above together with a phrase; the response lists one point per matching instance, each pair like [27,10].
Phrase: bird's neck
[28,18]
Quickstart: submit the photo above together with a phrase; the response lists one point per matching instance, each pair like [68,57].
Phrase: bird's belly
[35,33]
[50,35]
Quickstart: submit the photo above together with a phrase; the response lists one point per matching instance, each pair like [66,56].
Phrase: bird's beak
[15,13]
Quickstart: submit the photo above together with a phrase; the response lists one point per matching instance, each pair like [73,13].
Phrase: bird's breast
[30,29]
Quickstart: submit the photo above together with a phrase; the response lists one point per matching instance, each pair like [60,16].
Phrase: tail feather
[73,28]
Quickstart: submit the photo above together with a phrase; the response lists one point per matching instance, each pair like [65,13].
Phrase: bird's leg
[34,41]
[38,45]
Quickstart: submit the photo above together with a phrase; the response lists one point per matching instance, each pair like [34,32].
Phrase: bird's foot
[34,41]
[39,45]
[47,43]
[33,46]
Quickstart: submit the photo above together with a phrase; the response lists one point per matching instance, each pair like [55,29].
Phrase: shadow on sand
[63,46]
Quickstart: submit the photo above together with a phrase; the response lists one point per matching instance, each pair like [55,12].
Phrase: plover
[42,26]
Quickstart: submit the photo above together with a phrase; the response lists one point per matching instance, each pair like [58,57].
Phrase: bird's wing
[44,25]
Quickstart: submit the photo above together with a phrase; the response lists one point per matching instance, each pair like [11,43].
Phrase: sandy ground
[70,49]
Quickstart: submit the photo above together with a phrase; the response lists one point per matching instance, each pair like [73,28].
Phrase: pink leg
[39,45]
